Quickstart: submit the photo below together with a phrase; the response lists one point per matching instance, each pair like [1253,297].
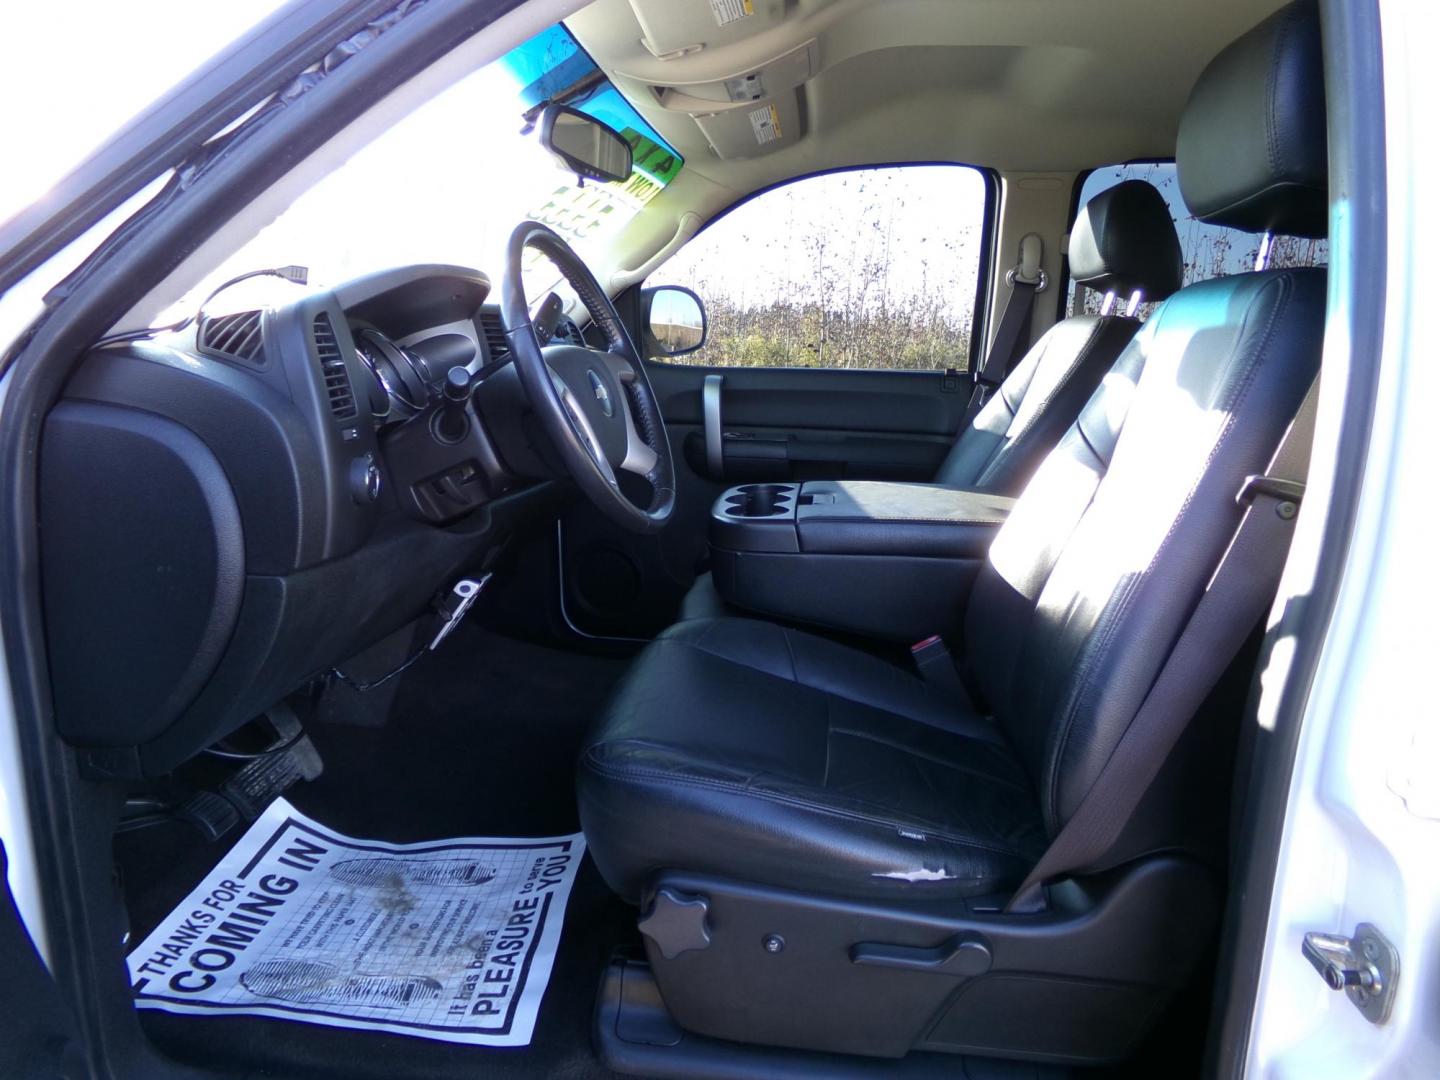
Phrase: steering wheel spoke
[584,429]
[640,456]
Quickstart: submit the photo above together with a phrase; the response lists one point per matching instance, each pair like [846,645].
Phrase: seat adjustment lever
[963,954]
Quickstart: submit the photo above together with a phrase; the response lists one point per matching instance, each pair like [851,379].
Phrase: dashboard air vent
[234,337]
[495,343]
[332,369]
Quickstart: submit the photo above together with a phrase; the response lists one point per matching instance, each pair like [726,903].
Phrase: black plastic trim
[1098,966]
[635,1035]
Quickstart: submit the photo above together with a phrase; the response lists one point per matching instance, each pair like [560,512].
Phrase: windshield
[449,182]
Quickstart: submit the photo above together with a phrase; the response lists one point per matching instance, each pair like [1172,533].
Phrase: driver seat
[754,785]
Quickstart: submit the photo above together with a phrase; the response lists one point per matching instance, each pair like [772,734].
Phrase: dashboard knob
[364,479]
[457,384]
[454,421]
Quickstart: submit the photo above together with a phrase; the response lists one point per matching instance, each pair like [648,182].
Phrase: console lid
[870,517]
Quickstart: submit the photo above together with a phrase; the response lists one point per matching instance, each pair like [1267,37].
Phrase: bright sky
[445,185]
[851,240]
[448,182]
[70,75]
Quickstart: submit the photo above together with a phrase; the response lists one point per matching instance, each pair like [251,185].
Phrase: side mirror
[583,145]
[674,320]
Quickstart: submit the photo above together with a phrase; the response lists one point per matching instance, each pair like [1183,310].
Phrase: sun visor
[774,78]
[672,28]
[748,131]
[749,112]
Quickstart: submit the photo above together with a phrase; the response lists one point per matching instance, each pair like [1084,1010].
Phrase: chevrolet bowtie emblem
[602,395]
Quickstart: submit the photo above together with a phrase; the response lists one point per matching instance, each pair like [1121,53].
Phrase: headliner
[1053,86]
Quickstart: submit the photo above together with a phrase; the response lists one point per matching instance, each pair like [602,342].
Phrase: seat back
[1093,577]
[1124,242]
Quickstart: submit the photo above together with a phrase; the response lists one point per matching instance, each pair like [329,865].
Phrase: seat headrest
[1251,150]
[1124,239]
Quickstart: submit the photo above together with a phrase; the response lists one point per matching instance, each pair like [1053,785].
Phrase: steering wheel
[596,405]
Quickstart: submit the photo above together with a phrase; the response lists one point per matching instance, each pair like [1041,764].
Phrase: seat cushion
[756,752]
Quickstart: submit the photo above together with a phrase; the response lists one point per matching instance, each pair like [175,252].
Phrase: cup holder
[761,501]
[755,517]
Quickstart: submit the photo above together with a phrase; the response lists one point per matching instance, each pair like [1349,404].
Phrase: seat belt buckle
[928,650]
[933,662]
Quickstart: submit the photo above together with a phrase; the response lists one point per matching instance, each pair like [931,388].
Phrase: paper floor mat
[449,939]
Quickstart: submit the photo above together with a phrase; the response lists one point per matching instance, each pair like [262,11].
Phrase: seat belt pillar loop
[1032,250]
[1025,279]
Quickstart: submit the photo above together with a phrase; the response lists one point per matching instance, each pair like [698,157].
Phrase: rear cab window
[876,268]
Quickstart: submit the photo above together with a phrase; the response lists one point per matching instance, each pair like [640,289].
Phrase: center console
[889,560]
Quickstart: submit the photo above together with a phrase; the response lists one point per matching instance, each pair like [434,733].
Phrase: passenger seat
[1123,243]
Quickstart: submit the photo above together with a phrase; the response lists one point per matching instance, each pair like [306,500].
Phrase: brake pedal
[211,814]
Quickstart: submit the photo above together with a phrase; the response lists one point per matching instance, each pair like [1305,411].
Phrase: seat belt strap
[1025,280]
[1239,594]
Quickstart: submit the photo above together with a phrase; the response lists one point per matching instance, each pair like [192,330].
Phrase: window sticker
[765,121]
[728,11]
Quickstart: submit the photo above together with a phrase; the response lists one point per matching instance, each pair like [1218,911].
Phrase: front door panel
[799,424]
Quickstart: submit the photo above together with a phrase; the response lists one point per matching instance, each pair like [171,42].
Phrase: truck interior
[906,713]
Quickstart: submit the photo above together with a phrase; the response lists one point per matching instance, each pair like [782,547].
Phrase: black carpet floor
[478,738]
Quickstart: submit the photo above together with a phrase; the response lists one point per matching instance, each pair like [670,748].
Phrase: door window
[864,269]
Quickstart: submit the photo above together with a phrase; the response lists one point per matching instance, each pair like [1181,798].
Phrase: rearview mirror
[585,146]
[674,321]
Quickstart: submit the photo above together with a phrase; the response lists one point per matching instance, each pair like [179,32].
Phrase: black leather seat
[791,759]
[1124,242]
[750,752]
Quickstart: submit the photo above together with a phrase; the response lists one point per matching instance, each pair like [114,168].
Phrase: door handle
[714,433]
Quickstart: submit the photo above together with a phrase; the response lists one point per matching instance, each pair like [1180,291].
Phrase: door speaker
[607,579]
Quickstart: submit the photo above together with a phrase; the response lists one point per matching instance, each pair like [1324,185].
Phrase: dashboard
[230,511]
